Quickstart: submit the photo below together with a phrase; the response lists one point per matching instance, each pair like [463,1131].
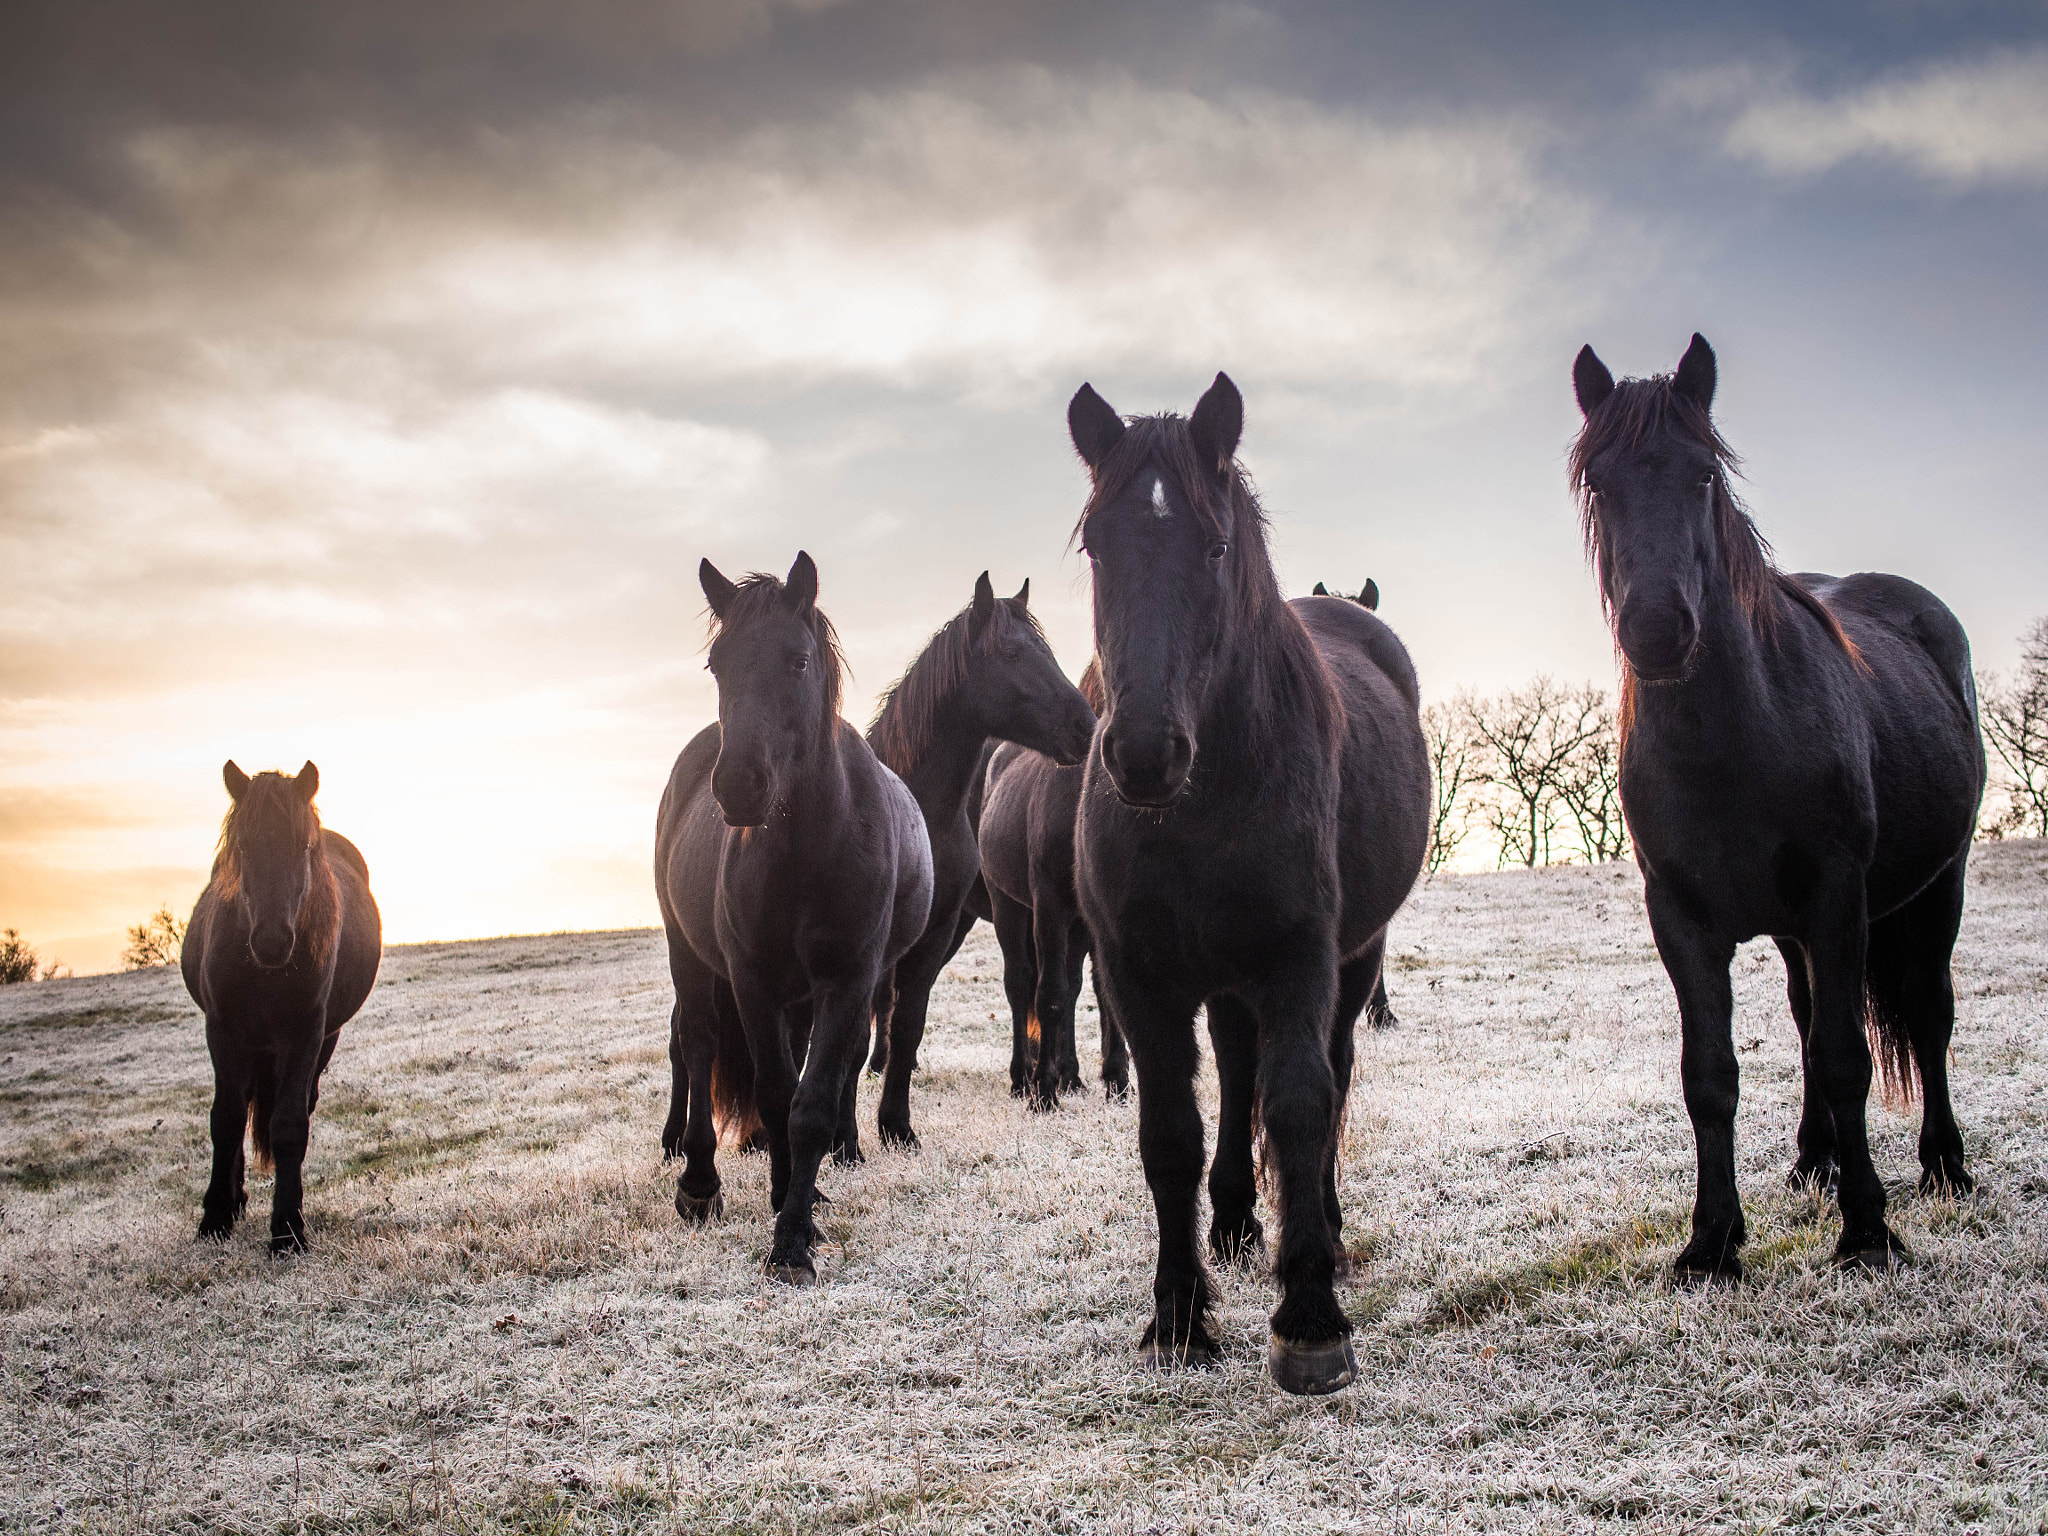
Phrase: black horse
[1255,810]
[987,674]
[281,951]
[1800,758]
[1368,595]
[1027,872]
[793,872]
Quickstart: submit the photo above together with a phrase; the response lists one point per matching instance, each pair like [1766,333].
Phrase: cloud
[1960,122]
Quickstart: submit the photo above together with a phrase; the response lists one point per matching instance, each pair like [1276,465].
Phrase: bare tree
[2014,712]
[18,959]
[1528,738]
[1453,771]
[155,942]
[1590,786]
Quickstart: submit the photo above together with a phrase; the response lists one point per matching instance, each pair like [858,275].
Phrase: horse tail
[1885,1020]
[734,1108]
[261,1103]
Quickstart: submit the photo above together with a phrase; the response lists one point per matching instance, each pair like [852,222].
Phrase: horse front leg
[1357,984]
[1052,1003]
[838,1039]
[226,1197]
[1310,1352]
[1161,1032]
[1839,1056]
[1697,962]
[1012,921]
[291,1124]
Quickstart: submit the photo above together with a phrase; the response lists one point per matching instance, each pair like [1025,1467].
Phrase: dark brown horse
[1800,758]
[1027,872]
[793,873]
[281,951]
[1255,811]
[987,675]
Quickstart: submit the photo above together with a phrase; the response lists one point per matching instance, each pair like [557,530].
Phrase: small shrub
[18,960]
[155,942]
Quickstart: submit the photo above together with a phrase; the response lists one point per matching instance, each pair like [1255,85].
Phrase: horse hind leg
[1357,984]
[1235,1235]
[1814,1167]
[1911,988]
[1020,985]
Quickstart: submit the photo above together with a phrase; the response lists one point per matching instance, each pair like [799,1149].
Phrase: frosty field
[503,1326]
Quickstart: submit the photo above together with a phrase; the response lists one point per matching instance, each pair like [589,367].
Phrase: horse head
[1162,532]
[269,847]
[1651,472]
[776,660]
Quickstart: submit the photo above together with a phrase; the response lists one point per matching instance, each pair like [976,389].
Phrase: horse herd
[1225,815]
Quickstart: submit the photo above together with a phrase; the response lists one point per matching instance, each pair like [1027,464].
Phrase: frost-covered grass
[502,1325]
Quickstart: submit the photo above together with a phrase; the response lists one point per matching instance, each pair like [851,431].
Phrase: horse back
[1385,786]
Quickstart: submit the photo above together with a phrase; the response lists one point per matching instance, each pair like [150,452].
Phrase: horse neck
[943,775]
[320,918]
[819,793]
[1268,685]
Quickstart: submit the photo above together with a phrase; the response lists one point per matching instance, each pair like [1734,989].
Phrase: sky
[373,377]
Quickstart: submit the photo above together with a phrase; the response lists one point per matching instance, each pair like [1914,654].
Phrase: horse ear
[984,606]
[1320,591]
[307,782]
[1094,426]
[1023,597]
[1591,381]
[717,590]
[234,778]
[1371,595]
[800,586]
[1695,376]
[1217,424]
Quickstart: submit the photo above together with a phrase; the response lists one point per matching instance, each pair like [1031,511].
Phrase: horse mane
[1091,686]
[902,732]
[1638,410]
[760,592]
[320,918]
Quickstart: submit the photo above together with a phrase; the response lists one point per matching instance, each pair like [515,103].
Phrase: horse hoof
[1312,1370]
[1164,1358]
[900,1136]
[1244,1248]
[800,1274]
[1816,1174]
[287,1244]
[1697,1267]
[213,1231]
[1877,1256]
[1945,1176]
[848,1156]
[697,1210]
[1385,1018]
[1342,1271]
[1115,1092]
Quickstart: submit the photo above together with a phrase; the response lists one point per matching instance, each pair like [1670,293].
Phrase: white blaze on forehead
[1159,498]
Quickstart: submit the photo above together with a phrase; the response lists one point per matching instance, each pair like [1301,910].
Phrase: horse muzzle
[271,945]
[1149,769]
[1076,735]
[745,793]
[1658,638]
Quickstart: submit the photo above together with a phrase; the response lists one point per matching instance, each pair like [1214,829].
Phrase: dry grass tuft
[503,1328]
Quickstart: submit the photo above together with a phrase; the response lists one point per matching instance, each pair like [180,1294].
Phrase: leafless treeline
[1534,771]
[2014,710]
[1532,775]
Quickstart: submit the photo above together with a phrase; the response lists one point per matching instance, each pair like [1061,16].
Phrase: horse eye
[1218,550]
[799,663]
